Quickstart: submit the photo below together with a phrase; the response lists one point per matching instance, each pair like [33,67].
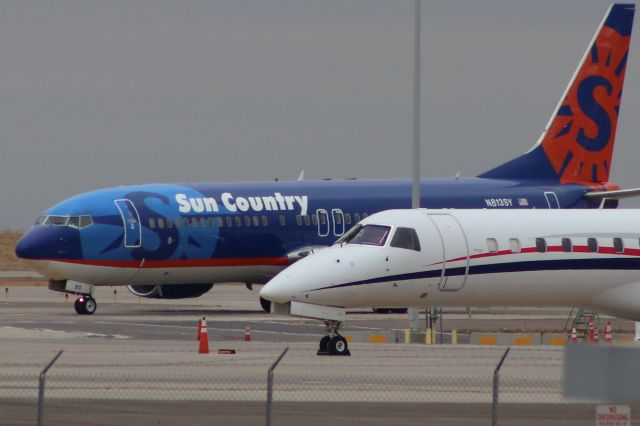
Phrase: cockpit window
[374,235]
[406,238]
[75,222]
[349,234]
[57,220]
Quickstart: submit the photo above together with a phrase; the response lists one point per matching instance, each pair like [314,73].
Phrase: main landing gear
[85,305]
[333,343]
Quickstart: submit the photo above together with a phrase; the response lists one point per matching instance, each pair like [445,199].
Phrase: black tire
[324,344]
[90,305]
[338,346]
[266,304]
[79,307]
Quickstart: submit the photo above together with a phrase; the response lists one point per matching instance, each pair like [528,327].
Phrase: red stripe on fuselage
[550,249]
[179,263]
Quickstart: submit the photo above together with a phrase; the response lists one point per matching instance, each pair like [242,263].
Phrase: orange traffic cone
[595,335]
[574,335]
[607,333]
[199,328]
[247,334]
[204,338]
[591,331]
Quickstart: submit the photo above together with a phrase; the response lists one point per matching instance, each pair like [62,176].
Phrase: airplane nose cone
[277,290]
[26,246]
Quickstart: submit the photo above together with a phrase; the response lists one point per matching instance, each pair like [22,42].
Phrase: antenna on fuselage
[301,176]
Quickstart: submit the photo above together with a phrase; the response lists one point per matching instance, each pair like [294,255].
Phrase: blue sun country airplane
[176,240]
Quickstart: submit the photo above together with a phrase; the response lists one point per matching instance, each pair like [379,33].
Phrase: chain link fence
[146,388]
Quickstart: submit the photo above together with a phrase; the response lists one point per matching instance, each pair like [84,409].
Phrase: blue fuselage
[247,230]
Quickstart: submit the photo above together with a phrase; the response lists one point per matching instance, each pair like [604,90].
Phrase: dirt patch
[8,259]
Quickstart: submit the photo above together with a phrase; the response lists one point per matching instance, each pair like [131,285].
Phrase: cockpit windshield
[405,238]
[374,235]
[75,222]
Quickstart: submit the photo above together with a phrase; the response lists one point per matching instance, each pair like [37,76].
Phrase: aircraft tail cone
[247,334]
[607,333]
[574,335]
[204,339]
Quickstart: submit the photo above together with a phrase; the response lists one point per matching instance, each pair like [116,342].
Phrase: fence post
[496,386]
[41,389]
[270,385]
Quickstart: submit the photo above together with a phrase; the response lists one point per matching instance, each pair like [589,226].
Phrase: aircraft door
[323,222]
[455,263]
[338,222]
[552,200]
[131,223]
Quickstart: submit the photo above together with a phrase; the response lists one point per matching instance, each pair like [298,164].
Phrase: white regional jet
[396,258]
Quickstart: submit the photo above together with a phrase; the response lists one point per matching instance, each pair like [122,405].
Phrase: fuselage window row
[567,245]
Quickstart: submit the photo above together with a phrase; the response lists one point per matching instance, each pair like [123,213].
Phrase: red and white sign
[613,415]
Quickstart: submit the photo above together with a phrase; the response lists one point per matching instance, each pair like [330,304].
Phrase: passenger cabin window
[238,221]
[161,223]
[265,220]
[256,221]
[374,235]
[541,245]
[299,220]
[314,219]
[592,245]
[307,220]
[152,223]
[406,238]
[492,245]
[347,218]
[229,221]
[356,217]
[514,245]
[566,245]
[247,220]
[283,221]
[618,245]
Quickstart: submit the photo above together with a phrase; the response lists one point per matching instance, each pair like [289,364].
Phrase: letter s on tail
[577,143]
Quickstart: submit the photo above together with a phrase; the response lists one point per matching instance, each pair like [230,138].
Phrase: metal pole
[414,316]
[41,389]
[496,378]
[441,326]
[270,385]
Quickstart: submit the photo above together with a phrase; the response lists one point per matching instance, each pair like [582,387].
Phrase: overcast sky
[103,93]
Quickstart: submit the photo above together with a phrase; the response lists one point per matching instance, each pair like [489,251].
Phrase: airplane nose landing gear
[333,343]
[85,305]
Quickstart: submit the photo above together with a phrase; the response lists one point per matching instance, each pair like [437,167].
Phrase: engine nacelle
[170,291]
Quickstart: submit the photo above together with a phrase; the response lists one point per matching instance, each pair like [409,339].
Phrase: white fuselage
[586,258]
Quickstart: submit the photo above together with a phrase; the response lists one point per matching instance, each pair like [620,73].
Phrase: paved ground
[135,362]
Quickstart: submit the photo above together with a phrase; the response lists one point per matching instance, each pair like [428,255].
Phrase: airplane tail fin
[577,143]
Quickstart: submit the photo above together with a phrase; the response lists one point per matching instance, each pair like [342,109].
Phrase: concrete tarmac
[135,362]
